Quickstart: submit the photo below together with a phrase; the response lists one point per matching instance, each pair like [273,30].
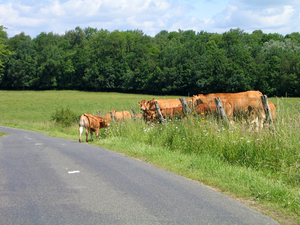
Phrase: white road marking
[76,171]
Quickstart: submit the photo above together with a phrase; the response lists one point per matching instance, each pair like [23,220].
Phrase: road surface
[45,180]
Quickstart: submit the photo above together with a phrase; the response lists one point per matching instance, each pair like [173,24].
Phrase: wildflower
[248,141]
[183,138]
[204,130]
[176,127]
[233,141]
[242,138]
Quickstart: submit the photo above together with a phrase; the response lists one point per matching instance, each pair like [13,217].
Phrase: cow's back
[165,103]
[122,115]
[240,100]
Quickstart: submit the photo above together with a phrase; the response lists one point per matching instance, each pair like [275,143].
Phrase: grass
[2,134]
[260,169]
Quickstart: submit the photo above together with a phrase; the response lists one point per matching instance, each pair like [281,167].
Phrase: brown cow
[151,115]
[165,103]
[92,124]
[118,115]
[168,107]
[206,108]
[243,103]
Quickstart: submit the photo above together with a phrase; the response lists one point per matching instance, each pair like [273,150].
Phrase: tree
[20,72]
[4,51]
[15,41]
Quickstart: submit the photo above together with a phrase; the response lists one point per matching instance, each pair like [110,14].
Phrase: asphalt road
[45,180]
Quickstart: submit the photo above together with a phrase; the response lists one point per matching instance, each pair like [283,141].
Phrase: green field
[39,105]
[260,169]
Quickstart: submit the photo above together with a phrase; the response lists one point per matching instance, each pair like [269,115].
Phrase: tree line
[170,63]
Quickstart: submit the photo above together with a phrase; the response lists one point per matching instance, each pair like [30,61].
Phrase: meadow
[258,168]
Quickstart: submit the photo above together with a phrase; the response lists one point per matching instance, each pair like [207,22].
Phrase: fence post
[265,103]
[161,118]
[186,110]
[220,110]
[112,116]
[135,115]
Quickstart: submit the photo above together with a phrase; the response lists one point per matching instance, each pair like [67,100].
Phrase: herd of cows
[247,103]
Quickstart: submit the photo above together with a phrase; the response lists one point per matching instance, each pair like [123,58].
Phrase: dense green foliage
[171,63]
[4,51]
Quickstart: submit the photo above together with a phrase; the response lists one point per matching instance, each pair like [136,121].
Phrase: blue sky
[150,16]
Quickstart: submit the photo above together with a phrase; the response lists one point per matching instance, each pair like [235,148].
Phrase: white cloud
[151,16]
[276,18]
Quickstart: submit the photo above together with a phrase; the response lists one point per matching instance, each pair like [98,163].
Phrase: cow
[205,108]
[92,124]
[166,112]
[165,103]
[118,115]
[168,107]
[139,116]
[243,103]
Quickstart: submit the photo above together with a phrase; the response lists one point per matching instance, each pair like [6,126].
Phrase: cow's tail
[82,124]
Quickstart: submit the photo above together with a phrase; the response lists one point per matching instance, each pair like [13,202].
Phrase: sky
[151,16]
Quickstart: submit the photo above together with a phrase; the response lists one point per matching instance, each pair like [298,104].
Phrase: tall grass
[274,151]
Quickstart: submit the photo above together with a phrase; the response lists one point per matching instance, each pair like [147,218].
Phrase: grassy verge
[260,169]
[2,134]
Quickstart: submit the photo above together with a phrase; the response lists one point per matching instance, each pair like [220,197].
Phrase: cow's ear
[138,103]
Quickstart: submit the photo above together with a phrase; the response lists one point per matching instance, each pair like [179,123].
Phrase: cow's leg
[80,132]
[91,135]
[87,134]
[97,134]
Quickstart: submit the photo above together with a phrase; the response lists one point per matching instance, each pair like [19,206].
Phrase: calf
[118,115]
[139,116]
[92,124]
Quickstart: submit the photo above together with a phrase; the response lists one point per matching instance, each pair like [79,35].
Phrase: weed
[64,117]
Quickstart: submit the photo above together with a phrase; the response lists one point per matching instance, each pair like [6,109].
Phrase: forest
[170,63]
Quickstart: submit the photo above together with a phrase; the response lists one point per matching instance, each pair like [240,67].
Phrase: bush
[64,117]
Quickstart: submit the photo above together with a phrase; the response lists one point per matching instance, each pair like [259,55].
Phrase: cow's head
[192,101]
[143,104]
[104,123]
[201,98]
